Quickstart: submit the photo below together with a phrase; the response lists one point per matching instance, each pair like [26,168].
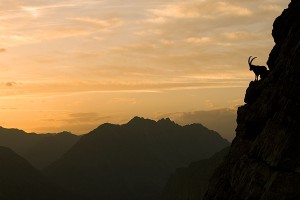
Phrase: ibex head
[250,60]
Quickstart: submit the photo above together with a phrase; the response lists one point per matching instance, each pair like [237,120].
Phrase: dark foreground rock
[264,159]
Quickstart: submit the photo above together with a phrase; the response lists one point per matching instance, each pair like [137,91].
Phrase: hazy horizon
[72,65]
[222,121]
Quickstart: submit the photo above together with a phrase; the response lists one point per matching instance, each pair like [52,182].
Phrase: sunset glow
[72,65]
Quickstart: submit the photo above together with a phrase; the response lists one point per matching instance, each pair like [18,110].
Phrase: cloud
[7,84]
[37,11]
[2,50]
[85,118]
[196,9]
[199,40]
[238,35]
[270,8]
[78,123]
[124,101]
[33,89]
[230,9]
[100,22]
[51,21]
[130,52]
[10,84]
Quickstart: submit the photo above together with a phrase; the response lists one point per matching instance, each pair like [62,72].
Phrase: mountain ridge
[132,160]
[39,149]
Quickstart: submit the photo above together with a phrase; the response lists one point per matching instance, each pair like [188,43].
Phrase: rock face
[264,159]
[191,183]
[134,160]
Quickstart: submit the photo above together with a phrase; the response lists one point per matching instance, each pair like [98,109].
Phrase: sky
[75,64]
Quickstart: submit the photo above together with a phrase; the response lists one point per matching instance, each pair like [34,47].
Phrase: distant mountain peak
[105,126]
[65,133]
[132,160]
[137,118]
[139,121]
[166,121]
[18,131]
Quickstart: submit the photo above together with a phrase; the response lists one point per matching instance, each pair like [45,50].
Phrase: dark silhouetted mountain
[134,160]
[191,183]
[39,149]
[264,159]
[20,181]
[221,120]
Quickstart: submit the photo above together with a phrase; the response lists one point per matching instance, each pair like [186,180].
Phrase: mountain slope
[20,181]
[132,161]
[191,183]
[39,149]
[50,149]
[264,158]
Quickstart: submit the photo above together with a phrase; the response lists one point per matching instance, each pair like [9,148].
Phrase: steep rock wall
[264,159]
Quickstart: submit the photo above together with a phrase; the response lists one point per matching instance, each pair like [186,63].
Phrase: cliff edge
[264,159]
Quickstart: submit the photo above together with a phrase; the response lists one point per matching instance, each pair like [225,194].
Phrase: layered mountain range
[129,161]
[134,160]
[39,149]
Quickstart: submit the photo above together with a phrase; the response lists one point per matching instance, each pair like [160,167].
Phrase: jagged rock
[254,90]
[264,159]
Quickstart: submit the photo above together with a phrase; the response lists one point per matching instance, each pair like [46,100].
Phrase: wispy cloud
[197,9]
[157,56]
[10,84]
[198,40]
[100,22]
[36,89]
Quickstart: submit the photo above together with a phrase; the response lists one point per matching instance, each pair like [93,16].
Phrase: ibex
[261,71]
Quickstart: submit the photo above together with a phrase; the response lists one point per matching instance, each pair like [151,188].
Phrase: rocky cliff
[264,159]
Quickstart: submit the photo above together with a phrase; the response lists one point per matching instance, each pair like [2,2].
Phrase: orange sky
[72,65]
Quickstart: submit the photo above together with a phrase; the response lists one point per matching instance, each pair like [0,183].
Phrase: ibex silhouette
[261,71]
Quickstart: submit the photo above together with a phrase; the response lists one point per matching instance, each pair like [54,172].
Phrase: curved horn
[252,60]
[249,60]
